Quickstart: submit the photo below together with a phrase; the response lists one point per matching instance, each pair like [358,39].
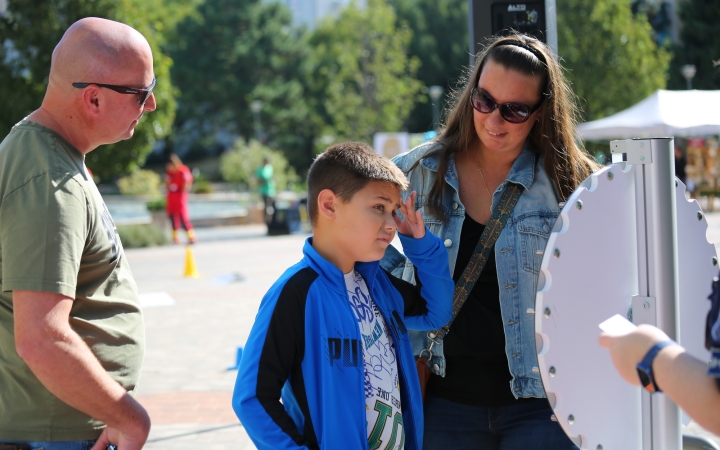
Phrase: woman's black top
[477,366]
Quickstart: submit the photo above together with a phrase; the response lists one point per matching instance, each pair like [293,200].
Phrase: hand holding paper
[617,325]
[628,344]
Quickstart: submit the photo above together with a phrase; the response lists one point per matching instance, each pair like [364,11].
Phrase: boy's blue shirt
[306,346]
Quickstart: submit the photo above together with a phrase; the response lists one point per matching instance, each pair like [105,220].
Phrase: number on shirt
[384,412]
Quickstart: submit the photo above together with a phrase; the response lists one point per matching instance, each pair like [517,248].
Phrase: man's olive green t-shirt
[56,235]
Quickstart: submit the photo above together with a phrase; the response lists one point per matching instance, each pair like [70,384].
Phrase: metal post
[688,72]
[435,94]
[657,272]
[551,34]
[256,107]
[661,229]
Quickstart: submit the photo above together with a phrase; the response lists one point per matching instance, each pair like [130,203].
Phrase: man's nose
[150,104]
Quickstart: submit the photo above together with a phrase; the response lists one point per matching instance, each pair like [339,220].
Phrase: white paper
[154,299]
[617,325]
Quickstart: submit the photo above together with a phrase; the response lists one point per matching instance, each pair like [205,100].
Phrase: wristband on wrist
[714,365]
[644,367]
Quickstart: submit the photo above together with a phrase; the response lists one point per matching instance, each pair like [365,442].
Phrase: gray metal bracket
[634,151]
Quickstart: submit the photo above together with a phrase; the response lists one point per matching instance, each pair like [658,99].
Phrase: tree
[700,44]
[234,52]
[363,79]
[29,32]
[141,183]
[659,16]
[609,54]
[440,42]
[239,164]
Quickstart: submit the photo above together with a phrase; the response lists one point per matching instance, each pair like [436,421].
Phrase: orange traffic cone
[190,266]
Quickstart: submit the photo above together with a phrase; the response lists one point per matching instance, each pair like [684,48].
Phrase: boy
[330,337]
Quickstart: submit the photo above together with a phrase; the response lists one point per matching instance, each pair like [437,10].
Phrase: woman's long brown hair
[553,134]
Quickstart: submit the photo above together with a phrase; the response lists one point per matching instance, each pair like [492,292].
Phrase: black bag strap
[475,266]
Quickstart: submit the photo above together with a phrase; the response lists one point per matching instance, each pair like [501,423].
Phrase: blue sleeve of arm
[393,261]
[430,258]
[274,347]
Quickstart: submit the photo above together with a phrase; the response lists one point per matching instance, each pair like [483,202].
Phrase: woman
[512,123]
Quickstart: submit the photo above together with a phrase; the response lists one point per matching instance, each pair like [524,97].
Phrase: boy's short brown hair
[347,167]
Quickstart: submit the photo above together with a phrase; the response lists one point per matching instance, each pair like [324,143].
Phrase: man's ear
[91,99]
[327,201]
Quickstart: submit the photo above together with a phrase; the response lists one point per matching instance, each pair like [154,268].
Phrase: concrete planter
[160,220]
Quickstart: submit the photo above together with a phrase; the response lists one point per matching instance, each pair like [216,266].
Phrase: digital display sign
[493,17]
[527,18]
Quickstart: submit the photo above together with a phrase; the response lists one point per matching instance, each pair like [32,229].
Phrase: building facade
[309,12]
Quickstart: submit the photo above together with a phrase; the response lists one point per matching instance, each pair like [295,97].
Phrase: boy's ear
[327,201]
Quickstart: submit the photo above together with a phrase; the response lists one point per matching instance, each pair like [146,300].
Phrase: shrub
[239,164]
[201,185]
[145,183]
[156,205]
[135,236]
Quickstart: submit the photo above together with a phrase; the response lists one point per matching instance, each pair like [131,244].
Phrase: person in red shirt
[178,180]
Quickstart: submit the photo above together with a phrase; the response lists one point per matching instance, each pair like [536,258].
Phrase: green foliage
[231,53]
[157,205]
[29,32]
[351,78]
[201,185]
[700,45]
[240,163]
[439,42]
[145,183]
[609,53]
[363,79]
[136,236]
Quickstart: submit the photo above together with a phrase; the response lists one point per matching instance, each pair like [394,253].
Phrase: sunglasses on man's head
[511,112]
[143,94]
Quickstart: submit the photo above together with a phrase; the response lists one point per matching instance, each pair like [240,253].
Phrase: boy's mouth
[386,239]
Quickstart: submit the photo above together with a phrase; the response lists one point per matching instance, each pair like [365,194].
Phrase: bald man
[71,328]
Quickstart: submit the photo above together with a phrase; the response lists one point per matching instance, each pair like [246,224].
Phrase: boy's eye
[380,207]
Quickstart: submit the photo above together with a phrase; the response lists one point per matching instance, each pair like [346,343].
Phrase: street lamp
[256,107]
[688,72]
[3,7]
[435,94]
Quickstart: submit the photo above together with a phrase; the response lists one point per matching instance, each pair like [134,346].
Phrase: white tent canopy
[664,113]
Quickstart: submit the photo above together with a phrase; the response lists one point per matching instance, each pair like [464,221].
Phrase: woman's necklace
[477,163]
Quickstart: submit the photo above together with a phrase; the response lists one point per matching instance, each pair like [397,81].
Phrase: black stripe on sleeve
[282,355]
[297,382]
[415,305]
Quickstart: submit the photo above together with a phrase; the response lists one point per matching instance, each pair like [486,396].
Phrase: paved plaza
[186,385]
[194,326]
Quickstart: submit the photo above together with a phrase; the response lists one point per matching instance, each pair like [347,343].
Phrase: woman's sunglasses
[143,94]
[511,112]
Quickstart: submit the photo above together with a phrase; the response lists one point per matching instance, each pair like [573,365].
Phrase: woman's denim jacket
[518,262]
